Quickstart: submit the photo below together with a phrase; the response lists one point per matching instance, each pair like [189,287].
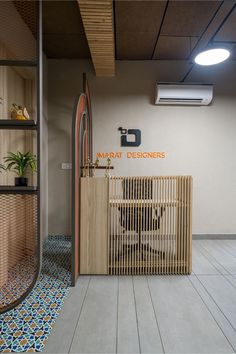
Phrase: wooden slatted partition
[150,225]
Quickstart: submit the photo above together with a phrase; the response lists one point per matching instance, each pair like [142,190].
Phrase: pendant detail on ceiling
[97,17]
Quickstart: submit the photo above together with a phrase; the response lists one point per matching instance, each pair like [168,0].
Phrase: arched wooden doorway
[82,150]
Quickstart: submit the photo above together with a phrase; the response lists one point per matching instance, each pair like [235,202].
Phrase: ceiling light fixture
[212,56]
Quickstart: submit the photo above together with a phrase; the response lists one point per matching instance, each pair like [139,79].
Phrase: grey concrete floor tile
[150,341]
[195,314]
[186,326]
[216,312]
[206,252]
[224,295]
[96,329]
[231,279]
[201,265]
[127,332]
[229,246]
[63,330]
[224,258]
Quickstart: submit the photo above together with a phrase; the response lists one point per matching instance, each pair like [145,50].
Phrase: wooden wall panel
[94,223]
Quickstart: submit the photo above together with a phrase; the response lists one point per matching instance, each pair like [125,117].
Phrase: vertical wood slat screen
[150,225]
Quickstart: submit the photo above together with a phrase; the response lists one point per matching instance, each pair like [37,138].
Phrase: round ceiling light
[212,56]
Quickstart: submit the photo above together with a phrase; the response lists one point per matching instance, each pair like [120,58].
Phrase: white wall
[199,141]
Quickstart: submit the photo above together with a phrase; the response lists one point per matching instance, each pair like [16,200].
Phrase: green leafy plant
[2,167]
[20,163]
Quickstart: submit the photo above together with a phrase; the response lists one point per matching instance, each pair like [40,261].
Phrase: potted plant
[20,163]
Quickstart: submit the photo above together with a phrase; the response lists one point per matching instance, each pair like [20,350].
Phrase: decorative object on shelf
[88,170]
[20,163]
[107,171]
[95,165]
[19,113]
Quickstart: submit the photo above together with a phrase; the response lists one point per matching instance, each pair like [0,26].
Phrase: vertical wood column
[94,226]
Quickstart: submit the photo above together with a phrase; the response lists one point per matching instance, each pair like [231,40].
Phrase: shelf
[18,63]
[18,190]
[97,167]
[18,124]
[145,203]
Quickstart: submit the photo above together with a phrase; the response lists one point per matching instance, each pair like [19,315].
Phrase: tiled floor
[154,314]
[27,327]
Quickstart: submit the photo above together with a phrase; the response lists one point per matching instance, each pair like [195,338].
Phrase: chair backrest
[137,188]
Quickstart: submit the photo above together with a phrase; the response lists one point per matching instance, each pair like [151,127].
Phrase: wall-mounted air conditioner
[184,94]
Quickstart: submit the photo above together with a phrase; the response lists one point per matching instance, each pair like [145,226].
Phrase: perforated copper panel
[18,23]
[28,11]
[18,240]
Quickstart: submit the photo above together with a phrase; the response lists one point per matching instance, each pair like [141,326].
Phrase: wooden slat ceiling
[144,30]
[97,17]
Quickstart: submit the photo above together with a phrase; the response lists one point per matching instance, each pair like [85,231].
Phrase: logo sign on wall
[126,134]
[130,138]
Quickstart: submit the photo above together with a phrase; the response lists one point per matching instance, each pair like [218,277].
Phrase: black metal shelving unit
[29,63]
[9,124]
[18,124]
[18,190]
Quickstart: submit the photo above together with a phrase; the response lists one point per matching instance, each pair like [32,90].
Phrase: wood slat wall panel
[97,17]
[93,226]
[150,228]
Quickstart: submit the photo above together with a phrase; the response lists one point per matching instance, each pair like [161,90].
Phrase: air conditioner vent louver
[184,94]
[197,100]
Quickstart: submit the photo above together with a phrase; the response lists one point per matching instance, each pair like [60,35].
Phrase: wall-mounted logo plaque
[127,135]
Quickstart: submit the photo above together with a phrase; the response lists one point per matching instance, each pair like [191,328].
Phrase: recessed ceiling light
[212,56]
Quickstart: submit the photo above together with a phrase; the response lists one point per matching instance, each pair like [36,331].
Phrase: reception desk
[136,225]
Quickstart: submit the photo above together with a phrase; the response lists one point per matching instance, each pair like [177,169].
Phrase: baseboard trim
[214,237]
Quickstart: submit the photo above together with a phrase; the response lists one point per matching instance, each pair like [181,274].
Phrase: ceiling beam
[97,17]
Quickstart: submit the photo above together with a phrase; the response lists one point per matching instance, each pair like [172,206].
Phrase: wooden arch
[82,150]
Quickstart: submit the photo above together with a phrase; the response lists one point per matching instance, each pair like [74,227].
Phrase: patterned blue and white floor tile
[28,326]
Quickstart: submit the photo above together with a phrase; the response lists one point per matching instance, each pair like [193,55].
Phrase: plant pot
[21,181]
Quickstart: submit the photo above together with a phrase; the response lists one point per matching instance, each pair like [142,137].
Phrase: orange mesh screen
[18,26]
[18,237]
[28,11]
